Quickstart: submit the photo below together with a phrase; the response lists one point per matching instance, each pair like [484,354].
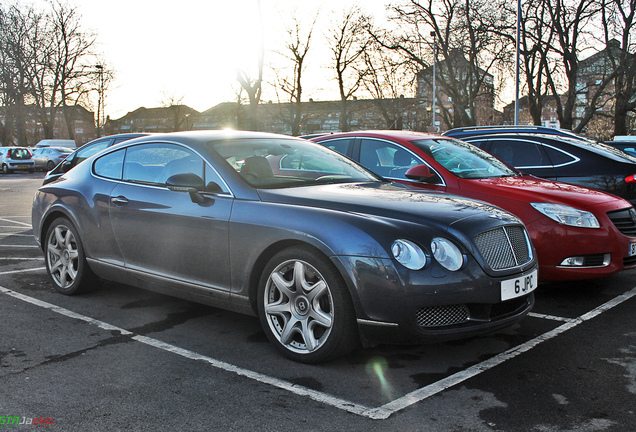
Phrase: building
[317,117]
[453,94]
[549,116]
[163,119]
[594,72]
[72,122]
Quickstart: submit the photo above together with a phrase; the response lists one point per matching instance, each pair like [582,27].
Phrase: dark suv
[558,155]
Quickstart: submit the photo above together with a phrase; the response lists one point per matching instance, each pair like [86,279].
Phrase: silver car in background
[47,158]
[15,159]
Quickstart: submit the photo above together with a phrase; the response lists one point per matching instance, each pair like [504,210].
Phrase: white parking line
[23,270]
[549,317]
[21,259]
[15,222]
[382,412]
[20,246]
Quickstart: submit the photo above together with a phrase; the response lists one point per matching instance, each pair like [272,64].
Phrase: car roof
[599,148]
[400,134]
[522,129]
[209,135]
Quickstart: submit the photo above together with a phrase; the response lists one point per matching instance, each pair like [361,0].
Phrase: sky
[190,50]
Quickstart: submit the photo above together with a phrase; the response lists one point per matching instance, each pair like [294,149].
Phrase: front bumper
[554,243]
[397,305]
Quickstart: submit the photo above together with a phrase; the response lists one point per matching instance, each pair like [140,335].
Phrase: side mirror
[421,173]
[66,165]
[187,182]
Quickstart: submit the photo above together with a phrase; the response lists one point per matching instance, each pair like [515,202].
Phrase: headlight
[408,254]
[567,215]
[447,254]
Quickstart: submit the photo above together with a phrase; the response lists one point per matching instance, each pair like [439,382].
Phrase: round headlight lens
[408,254]
[447,254]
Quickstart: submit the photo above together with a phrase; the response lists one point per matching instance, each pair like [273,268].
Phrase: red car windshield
[464,160]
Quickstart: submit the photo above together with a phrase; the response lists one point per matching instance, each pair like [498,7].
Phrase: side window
[110,165]
[155,163]
[520,153]
[558,157]
[342,146]
[386,159]
[89,151]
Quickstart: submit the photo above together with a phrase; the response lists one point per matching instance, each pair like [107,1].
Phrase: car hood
[534,189]
[394,202]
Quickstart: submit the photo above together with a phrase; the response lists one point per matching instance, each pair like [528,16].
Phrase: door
[163,232]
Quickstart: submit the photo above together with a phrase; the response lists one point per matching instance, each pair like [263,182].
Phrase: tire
[50,165]
[5,169]
[305,307]
[66,260]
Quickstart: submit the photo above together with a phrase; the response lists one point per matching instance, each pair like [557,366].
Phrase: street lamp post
[434,75]
[100,103]
[517,71]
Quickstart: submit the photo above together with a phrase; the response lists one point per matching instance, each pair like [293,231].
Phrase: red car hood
[534,189]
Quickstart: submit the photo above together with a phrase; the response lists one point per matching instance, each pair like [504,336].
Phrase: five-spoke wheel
[305,307]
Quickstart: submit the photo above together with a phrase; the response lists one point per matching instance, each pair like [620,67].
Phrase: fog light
[581,261]
[573,262]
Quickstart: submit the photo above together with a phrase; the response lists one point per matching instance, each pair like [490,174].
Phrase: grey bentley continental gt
[325,253]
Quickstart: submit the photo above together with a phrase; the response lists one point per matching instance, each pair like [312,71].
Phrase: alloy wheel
[298,306]
[63,256]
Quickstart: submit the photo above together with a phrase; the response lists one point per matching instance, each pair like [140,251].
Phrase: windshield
[463,159]
[281,163]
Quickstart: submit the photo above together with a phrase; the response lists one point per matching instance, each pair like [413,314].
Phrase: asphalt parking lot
[120,358]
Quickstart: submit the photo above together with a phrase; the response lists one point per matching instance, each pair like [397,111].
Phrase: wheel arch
[269,252]
[51,217]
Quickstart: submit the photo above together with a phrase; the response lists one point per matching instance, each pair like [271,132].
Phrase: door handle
[119,201]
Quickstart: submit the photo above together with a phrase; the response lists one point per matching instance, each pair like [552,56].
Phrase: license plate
[518,287]
[632,249]
[22,166]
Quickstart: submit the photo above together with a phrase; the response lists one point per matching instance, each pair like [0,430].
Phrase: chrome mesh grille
[504,247]
[438,316]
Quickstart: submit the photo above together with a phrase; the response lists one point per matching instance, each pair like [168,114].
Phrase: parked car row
[47,155]
[579,233]
[434,240]
[567,157]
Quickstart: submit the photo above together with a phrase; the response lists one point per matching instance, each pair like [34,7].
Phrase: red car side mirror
[421,173]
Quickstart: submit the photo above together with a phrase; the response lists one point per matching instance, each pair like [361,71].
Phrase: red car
[578,233]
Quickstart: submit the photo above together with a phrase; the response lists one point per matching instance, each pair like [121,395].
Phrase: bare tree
[618,21]
[348,41]
[18,37]
[387,78]
[572,22]
[253,86]
[471,53]
[178,112]
[296,49]
[60,70]
[45,65]
[537,35]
